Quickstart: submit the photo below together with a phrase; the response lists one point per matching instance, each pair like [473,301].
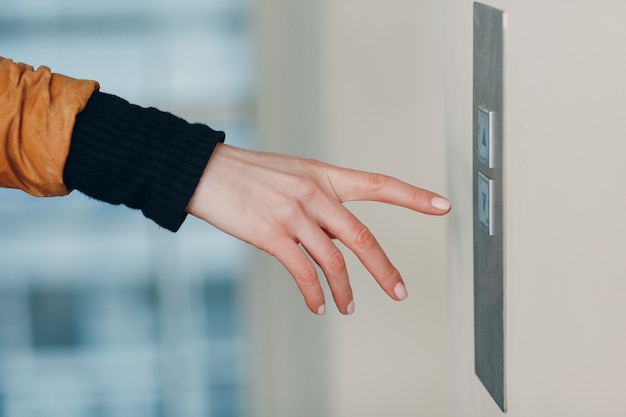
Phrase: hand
[287,206]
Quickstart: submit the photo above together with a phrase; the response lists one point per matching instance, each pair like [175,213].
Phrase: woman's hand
[287,206]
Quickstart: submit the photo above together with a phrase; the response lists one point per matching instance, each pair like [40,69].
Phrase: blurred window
[55,318]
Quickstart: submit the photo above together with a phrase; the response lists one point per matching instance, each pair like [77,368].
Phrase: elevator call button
[485,136]
[485,203]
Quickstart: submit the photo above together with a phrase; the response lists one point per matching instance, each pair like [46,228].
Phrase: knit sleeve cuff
[140,157]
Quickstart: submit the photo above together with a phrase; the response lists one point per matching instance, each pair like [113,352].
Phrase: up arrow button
[486,136]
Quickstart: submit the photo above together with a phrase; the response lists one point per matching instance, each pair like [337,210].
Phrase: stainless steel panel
[488,110]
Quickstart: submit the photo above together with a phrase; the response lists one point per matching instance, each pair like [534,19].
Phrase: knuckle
[336,262]
[266,240]
[315,297]
[307,274]
[269,247]
[365,240]
[391,274]
[316,167]
[306,188]
[419,196]
[343,295]
[377,181]
[288,211]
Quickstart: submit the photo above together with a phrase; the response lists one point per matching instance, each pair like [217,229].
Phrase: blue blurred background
[103,314]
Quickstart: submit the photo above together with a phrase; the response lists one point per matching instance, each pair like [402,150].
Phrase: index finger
[352,185]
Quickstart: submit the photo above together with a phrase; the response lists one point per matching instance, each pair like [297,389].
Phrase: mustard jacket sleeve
[37,114]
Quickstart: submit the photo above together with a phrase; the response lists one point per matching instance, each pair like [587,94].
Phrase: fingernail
[440,203]
[321,310]
[400,291]
[350,308]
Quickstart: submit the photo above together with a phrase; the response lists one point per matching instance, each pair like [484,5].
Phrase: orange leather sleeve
[37,114]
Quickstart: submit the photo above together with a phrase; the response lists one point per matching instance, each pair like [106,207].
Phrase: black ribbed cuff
[140,157]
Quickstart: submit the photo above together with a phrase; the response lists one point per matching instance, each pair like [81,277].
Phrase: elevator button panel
[488,193]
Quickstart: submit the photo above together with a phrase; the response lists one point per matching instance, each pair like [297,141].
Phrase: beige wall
[384,106]
[564,209]
[359,84]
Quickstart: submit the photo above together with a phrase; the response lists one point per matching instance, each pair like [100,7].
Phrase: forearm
[140,157]
[58,133]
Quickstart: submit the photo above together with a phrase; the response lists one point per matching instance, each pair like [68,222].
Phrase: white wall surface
[358,84]
[384,105]
[564,209]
